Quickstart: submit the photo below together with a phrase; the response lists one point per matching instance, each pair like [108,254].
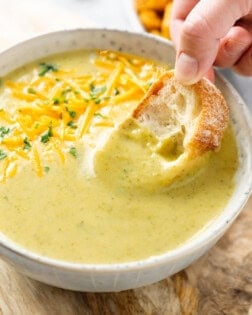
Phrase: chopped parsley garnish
[62,97]
[97,101]
[73,151]
[27,144]
[46,137]
[31,90]
[3,155]
[4,131]
[56,101]
[95,91]
[46,67]
[46,169]
[116,91]
[72,124]
[65,92]
[92,87]
[71,113]
[99,115]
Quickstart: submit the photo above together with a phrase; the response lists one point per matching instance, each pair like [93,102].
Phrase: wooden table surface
[219,283]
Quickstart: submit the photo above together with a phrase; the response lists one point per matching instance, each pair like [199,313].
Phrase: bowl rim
[198,241]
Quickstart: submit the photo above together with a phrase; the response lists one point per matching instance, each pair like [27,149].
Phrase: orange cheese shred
[37,162]
[58,108]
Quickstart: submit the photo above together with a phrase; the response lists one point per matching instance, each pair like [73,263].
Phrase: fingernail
[186,68]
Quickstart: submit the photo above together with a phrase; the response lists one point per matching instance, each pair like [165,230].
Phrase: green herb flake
[31,90]
[97,101]
[72,125]
[46,169]
[99,115]
[3,155]
[56,101]
[27,144]
[66,91]
[46,137]
[95,91]
[46,67]
[73,151]
[71,113]
[4,131]
[76,92]
[92,87]
[116,91]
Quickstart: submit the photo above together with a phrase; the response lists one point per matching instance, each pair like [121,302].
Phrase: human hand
[211,32]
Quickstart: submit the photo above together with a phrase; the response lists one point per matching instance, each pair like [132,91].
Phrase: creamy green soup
[60,199]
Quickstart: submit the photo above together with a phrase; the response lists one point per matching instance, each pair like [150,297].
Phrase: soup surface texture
[55,117]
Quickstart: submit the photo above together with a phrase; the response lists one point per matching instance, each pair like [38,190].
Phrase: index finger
[204,26]
[180,11]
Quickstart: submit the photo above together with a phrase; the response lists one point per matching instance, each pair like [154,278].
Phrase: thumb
[202,30]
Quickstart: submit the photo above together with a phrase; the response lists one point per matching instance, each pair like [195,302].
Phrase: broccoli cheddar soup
[56,116]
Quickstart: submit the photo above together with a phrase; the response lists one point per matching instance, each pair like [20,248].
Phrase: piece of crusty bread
[168,139]
[198,110]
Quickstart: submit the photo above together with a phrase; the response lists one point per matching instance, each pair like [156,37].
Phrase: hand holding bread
[208,33]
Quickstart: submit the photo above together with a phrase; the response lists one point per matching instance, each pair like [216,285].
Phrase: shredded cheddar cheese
[55,106]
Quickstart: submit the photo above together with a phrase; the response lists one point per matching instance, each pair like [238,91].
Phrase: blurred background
[20,20]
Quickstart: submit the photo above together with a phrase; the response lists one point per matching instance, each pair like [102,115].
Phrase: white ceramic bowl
[116,277]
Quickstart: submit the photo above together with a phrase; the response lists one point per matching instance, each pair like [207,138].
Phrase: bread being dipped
[169,137]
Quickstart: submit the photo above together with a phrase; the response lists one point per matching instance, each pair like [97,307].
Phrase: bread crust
[212,118]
